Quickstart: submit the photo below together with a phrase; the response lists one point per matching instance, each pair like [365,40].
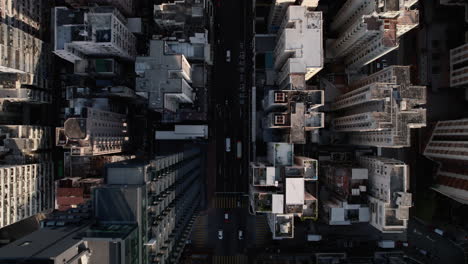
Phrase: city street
[430,247]
[255,230]
[229,101]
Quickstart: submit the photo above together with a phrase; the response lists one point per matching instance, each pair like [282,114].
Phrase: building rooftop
[174,69]
[280,154]
[264,175]
[108,231]
[292,55]
[284,226]
[45,243]
[294,191]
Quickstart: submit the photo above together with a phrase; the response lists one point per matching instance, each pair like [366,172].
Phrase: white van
[314,237]
[228,144]
[386,244]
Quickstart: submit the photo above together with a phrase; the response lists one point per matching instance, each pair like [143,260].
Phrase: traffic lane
[439,248]
[228,35]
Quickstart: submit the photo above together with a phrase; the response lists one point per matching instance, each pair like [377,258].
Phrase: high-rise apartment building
[161,196]
[164,78]
[298,52]
[295,112]
[25,56]
[284,187]
[369,29]
[26,189]
[382,109]
[449,147]
[143,214]
[26,172]
[98,31]
[458,66]
[389,199]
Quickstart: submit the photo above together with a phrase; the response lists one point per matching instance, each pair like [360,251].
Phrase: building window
[279,120]
[280,97]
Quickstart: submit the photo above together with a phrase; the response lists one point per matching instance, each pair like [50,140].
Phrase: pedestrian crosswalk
[230,259]
[262,231]
[230,201]
[199,234]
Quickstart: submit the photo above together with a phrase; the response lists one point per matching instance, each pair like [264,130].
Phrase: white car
[228,56]
[241,235]
[220,234]
[228,144]
[226,217]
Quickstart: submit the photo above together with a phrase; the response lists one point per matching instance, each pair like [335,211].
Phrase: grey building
[164,78]
[143,214]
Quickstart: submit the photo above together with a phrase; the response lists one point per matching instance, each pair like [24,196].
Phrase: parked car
[220,234]
[241,235]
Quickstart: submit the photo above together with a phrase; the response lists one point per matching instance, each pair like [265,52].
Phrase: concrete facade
[25,56]
[25,190]
[93,132]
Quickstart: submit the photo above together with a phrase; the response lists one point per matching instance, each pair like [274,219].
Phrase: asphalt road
[230,82]
[439,248]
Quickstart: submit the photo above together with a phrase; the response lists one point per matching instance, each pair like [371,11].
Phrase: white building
[459,66]
[93,132]
[25,190]
[369,29]
[389,200]
[276,15]
[382,111]
[99,31]
[164,78]
[299,51]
